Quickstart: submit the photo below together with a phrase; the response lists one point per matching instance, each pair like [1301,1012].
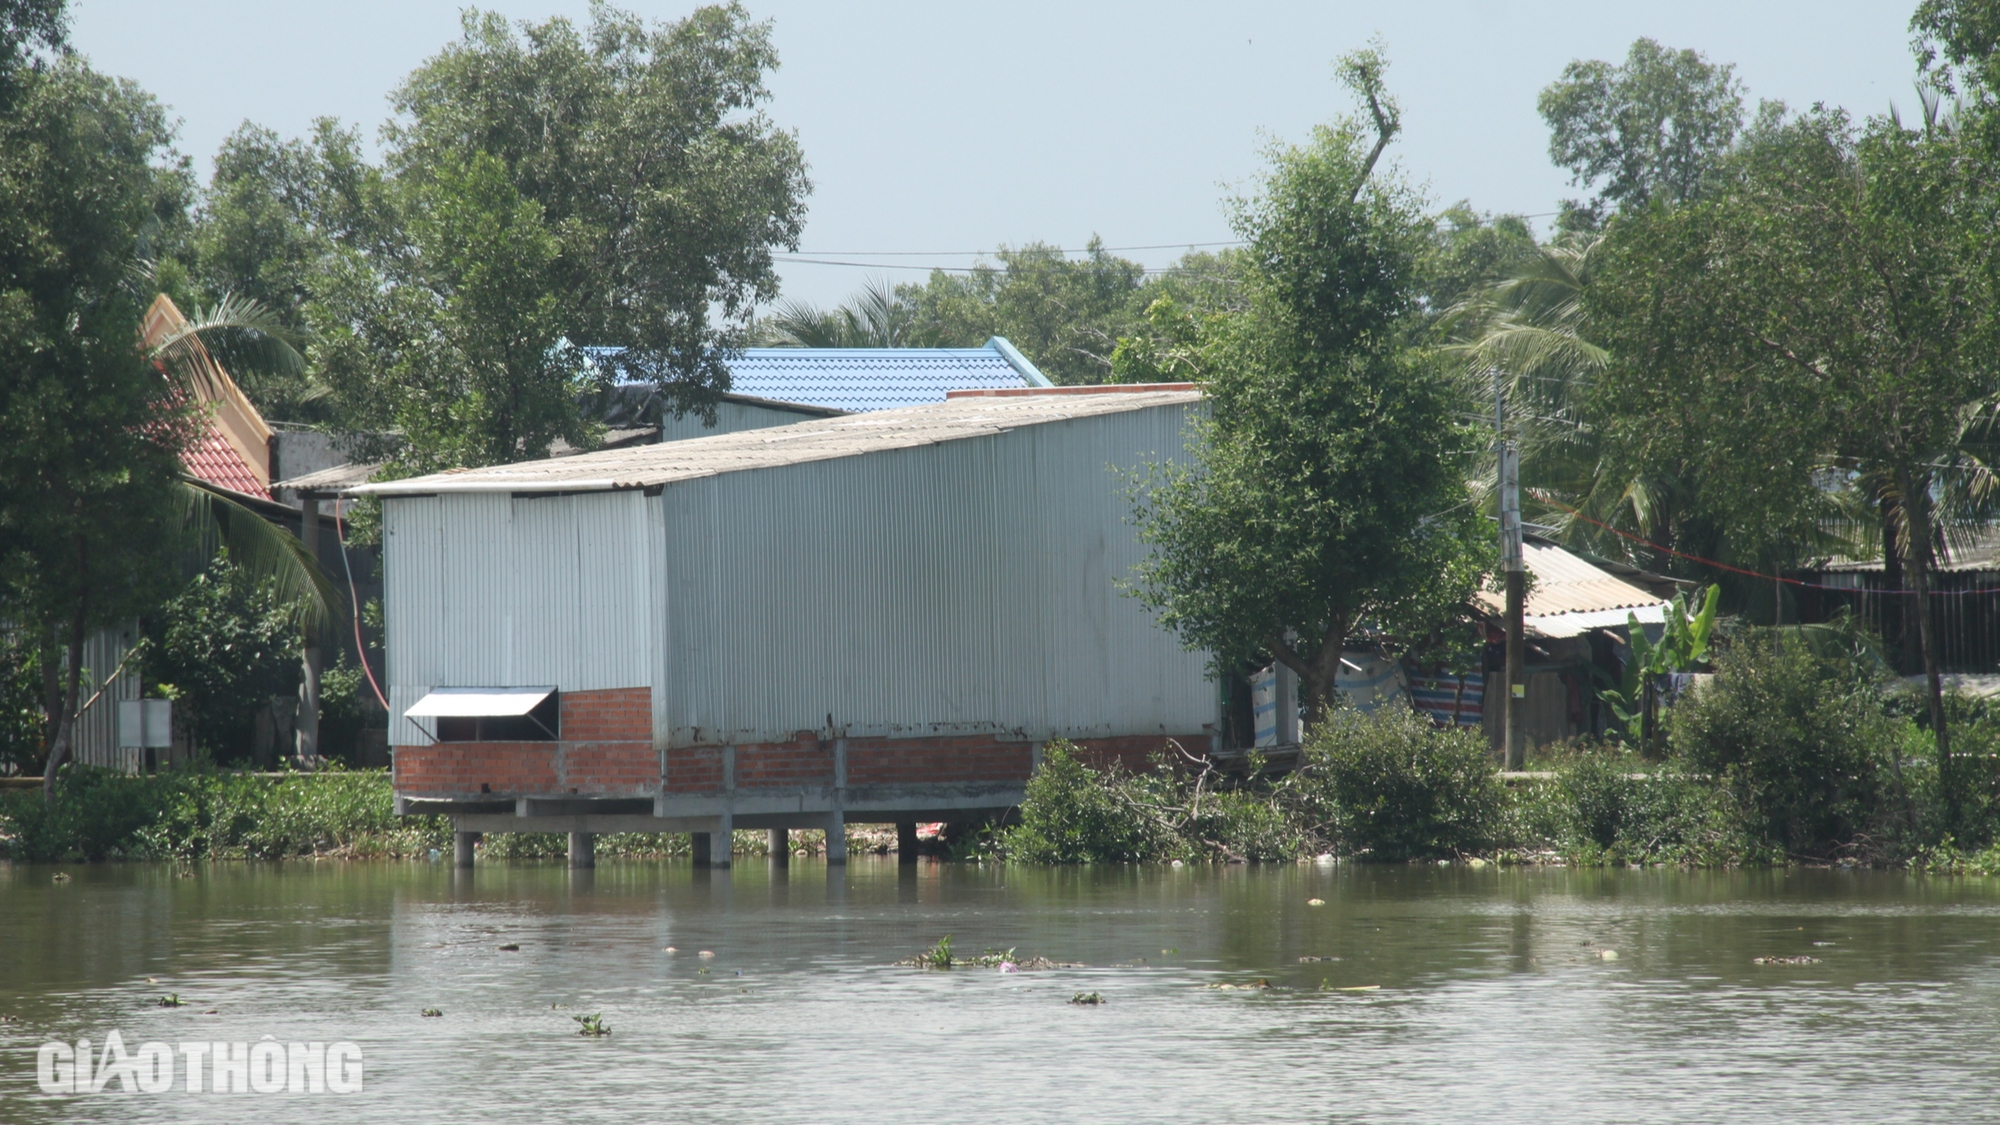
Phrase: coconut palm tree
[874,318]
[180,349]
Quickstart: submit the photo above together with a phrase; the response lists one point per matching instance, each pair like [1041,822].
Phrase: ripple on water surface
[771,994]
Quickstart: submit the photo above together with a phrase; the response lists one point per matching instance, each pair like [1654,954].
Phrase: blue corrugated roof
[865,379]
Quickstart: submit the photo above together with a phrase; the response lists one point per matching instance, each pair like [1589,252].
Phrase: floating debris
[1309,960]
[1357,988]
[1315,902]
[511,947]
[1823,943]
[1801,959]
[208,1011]
[152,980]
[1087,998]
[61,876]
[592,1025]
[940,956]
[1260,985]
[172,1000]
[1475,861]
[433,1013]
[1607,955]
[669,949]
[706,953]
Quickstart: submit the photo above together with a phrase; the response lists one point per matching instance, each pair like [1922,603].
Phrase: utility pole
[308,722]
[1516,682]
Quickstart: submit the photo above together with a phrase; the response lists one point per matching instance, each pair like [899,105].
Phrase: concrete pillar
[836,836]
[461,846]
[725,842]
[582,849]
[781,846]
[906,841]
[699,842]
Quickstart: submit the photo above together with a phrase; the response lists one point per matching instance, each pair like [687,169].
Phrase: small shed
[878,616]
[1577,614]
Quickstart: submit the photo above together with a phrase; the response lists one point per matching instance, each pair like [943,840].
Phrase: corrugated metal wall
[965,587]
[491,590]
[95,739]
[730,417]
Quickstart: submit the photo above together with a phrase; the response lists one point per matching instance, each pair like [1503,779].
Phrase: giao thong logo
[198,1067]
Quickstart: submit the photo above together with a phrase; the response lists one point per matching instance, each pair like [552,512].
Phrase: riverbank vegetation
[1794,753]
[1788,756]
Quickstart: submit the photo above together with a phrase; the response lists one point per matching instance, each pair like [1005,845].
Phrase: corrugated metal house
[1576,616]
[878,616]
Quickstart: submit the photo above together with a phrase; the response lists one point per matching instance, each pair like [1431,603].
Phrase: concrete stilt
[836,836]
[906,841]
[700,842]
[781,846]
[725,842]
[582,849]
[461,847]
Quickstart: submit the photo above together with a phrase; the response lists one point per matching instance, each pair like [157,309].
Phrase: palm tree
[179,348]
[874,318]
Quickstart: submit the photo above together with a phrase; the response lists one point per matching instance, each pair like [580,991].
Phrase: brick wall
[606,750]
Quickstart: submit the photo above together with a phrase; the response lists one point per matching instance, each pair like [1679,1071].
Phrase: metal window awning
[478,703]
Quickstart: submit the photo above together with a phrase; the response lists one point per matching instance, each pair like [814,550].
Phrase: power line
[789,259]
[971,253]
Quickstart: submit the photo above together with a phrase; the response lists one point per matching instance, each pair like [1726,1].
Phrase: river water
[1436,994]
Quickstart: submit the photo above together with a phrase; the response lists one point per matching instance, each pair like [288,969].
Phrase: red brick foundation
[606,751]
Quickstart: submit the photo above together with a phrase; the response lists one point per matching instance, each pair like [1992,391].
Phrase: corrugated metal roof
[646,466]
[860,380]
[1569,595]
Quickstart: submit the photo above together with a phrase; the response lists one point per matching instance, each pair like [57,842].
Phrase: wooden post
[308,721]
[1516,696]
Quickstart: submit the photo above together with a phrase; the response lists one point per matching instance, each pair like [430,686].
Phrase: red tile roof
[214,460]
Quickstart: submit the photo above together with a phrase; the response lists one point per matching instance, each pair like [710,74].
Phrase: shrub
[202,814]
[1798,738]
[1069,814]
[1397,787]
[1616,807]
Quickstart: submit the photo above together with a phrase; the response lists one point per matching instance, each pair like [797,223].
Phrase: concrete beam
[461,847]
[582,849]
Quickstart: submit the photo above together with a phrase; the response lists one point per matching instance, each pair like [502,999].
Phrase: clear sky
[935,127]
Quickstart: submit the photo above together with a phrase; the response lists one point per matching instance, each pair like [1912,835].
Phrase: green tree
[90,435]
[1826,318]
[544,188]
[1065,314]
[1328,490]
[658,184]
[225,645]
[1651,128]
[274,219]
[876,317]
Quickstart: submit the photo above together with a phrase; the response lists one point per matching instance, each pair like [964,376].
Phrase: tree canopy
[1327,491]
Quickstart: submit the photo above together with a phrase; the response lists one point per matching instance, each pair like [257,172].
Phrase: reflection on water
[1490,994]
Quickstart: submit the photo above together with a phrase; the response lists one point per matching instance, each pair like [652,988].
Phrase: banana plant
[1682,647]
